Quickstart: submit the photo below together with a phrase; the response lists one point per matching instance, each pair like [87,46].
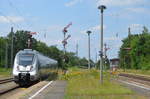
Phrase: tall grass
[85,84]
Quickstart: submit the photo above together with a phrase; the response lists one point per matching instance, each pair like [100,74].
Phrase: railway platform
[55,90]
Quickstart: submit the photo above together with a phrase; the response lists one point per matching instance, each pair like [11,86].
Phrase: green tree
[2,51]
[138,56]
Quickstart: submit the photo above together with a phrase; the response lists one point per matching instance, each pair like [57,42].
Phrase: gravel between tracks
[139,91]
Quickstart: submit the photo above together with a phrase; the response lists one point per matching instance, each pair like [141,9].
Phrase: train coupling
[24,76]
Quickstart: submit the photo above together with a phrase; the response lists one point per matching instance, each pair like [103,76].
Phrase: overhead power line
[18,11]
[11,4]
[11,21]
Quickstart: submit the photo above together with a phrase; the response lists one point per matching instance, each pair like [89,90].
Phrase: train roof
[34,52]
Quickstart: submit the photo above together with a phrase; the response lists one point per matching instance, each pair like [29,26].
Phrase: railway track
[136,76]
[6,80]
[2,92]
[7,86]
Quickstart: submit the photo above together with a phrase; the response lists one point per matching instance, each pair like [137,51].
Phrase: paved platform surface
[54,91]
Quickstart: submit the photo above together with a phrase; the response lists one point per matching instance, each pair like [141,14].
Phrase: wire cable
[18,11]
[7,18]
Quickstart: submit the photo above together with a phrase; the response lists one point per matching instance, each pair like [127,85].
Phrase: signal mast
[29,42]
[66,38]
[105,54]
[64,42]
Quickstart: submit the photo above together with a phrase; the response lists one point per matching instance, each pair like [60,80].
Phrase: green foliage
[5,72]
[2,51]
[139,55]
[83,62]
[20,42]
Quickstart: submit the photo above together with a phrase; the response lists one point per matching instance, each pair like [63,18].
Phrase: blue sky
[51,16]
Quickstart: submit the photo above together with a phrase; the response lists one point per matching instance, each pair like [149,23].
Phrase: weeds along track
[6,80]
[136,76]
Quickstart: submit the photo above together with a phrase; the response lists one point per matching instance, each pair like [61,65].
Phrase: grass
[84,84]
[5,72]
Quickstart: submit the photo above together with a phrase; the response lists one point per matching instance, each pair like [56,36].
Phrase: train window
[26,59]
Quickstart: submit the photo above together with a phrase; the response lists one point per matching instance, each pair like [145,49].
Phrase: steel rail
[135,76]
[6,80]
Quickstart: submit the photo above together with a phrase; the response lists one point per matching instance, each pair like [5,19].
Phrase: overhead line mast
[77,48]
[12,46]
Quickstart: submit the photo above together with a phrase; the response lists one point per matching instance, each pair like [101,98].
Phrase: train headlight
[29,68]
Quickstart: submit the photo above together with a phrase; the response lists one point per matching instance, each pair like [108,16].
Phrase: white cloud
[136,27]
[116,46]
[130,12]
[72,2]
[9,19]
[138,10]
[75,39]
[52,28]
[55,28]
[93,29]
[120,2]
[54,42]
[111,38]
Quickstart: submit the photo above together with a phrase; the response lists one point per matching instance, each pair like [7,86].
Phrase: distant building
[114,63]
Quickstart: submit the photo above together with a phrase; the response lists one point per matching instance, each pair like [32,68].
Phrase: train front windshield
[26,59]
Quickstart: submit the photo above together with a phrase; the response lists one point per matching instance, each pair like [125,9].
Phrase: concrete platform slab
[56,90]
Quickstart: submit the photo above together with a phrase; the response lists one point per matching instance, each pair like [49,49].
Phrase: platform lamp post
[89,55]
[101,8]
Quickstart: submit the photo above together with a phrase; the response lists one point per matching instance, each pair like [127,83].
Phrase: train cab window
[26,59]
